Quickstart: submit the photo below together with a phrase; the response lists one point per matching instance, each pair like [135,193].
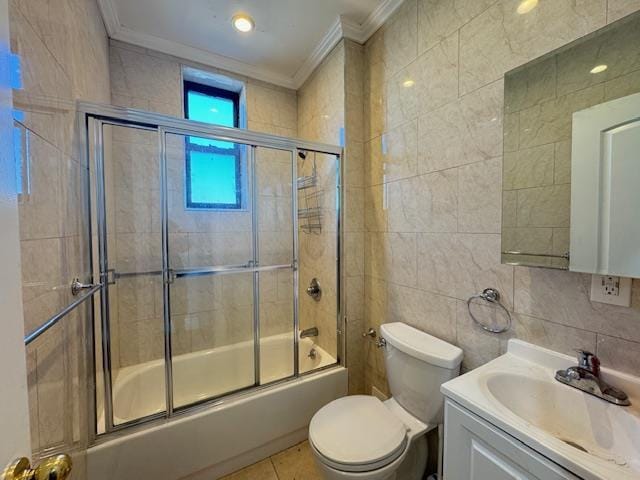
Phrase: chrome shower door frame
[164,125]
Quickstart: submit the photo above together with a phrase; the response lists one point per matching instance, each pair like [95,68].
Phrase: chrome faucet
[586,377]
[309,332]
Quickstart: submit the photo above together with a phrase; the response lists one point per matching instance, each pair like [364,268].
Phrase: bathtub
[212,441]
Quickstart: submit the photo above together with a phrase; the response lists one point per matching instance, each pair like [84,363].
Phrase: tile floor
[295,463]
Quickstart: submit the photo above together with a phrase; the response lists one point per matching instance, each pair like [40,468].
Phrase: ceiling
[290,39]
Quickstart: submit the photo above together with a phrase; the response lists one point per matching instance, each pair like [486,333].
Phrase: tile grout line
[273,465]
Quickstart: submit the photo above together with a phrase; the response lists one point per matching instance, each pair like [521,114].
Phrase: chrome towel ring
[490,295]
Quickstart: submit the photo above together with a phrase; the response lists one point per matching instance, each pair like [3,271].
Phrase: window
[213,168]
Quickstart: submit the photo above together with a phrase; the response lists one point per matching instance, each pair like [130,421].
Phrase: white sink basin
[517,392]
[581,421]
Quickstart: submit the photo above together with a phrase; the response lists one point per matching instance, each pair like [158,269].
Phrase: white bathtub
[218,439]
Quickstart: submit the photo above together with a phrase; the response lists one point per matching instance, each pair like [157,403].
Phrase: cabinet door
[477,450]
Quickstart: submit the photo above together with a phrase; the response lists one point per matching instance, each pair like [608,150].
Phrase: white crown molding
[328,41]
[377,18]
[201,56]
[341,28]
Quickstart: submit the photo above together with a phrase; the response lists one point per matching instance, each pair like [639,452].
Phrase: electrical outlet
[610,289]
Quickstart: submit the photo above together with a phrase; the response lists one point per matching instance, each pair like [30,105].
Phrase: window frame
[189,86]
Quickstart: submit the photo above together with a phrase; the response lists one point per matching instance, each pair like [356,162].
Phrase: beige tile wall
[207,311]
[63,52]
[330,110]
[354,226]
[433,129]
[321,119]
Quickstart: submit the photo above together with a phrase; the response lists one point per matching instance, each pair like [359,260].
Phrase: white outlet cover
[598,293]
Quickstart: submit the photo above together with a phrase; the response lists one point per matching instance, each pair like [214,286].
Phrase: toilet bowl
[361,437]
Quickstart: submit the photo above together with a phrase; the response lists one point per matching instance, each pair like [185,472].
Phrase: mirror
[548,220]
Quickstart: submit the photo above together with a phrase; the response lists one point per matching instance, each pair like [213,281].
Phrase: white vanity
[510,419]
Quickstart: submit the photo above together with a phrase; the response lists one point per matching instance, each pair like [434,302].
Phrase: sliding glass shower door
[230,265]
[195,248]
[126,172]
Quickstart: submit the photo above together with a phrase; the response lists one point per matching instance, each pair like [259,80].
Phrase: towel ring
[490,295]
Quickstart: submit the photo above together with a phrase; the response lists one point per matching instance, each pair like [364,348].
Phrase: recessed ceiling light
[599,68]
[526,6]
[243,23]
[408,83]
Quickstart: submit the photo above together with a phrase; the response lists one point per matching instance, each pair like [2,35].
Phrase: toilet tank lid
[421,345]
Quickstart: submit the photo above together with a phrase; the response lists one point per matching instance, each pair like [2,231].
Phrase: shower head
[302,154]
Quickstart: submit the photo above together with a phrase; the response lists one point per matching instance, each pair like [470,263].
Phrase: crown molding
[341,28]
[204,57]
[377,18]
[328,41]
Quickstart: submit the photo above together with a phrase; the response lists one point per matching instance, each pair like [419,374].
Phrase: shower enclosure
[204,240]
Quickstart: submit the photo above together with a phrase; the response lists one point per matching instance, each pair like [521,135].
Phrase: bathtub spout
[309,332]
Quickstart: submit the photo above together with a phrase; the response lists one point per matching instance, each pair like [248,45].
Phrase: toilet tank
[417,364]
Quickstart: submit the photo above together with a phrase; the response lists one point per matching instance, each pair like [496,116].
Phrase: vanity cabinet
[476,450]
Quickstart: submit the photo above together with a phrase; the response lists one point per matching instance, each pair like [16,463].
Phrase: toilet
[361,437]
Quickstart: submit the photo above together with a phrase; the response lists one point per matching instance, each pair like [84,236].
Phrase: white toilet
[360,437]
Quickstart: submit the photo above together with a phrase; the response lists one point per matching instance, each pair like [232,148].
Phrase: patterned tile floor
[295,463]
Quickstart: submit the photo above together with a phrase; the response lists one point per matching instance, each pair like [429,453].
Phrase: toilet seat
[357,434]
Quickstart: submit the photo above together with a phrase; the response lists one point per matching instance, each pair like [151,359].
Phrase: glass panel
[134,248]
[275,247]
[214,172]
[212,315]
[212,336]
[213,178]
[318,254]
[54,248]
[276,325]
[209,109]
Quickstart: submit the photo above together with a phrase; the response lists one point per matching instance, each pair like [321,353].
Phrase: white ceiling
[290,39]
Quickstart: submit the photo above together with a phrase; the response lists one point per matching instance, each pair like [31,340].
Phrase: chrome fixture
[314,290]
[369,333]
[586,377]
[309,332]
[30,337]
[77,286]
[490,295]
[312,196]
[313,353]
[566,255]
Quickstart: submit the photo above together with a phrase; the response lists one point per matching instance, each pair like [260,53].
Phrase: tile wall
[321,119]
[207,311]
[433,154]
[330,110]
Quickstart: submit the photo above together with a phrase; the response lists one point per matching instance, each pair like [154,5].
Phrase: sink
[588,436]
[586,423]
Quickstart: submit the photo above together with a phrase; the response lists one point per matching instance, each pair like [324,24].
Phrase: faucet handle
[588,361]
